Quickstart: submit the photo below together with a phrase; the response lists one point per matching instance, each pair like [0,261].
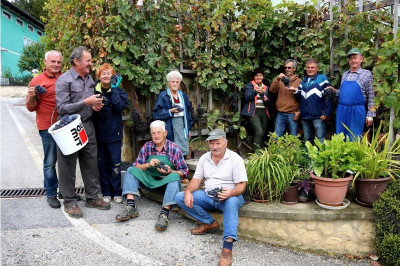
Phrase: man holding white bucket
[75,95]
[44,104]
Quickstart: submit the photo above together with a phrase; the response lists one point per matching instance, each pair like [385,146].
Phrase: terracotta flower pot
[330,191]
[368,190]
[290,196]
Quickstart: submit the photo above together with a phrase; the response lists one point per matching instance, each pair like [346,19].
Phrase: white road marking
[98,238]
[37,158]
[107,243]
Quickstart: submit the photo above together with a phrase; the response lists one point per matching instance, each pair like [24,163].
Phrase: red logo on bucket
[82,135]
[79,135]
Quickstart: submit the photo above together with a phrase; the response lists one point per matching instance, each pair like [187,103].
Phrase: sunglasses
[288,67]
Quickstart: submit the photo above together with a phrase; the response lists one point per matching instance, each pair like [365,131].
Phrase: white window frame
[39,33]
[18,21]
[7,15]
[31,28]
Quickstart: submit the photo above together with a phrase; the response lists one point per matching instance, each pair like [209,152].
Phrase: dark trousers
[88,164]
[109,160]
[259,125]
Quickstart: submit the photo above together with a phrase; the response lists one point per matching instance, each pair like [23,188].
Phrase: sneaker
[73,211]
[98,204]
[53,202]
[118,199]
[107,199]
[127,213]
[162,222]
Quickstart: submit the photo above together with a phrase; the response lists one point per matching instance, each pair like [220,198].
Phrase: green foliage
[221,40]
[387,213]
[16,80]
[33,8]
[32,57]
[376,157]
[271,170]
[334,157]
[386,78]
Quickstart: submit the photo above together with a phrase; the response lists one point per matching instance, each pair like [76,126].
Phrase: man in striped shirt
[225,181]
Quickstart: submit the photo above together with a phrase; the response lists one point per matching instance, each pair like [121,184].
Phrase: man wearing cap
[222,169]
[355,94]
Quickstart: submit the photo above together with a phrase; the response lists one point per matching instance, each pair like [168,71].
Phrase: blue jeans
[132,184]
[283,120]
[49,163]
[201,202]
[308,127]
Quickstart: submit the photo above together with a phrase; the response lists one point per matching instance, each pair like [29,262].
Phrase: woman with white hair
[173,107]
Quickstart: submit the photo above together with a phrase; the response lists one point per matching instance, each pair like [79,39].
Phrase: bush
[387,212]
[16,80]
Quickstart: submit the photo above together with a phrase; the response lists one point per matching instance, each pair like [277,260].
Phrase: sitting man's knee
[179,197]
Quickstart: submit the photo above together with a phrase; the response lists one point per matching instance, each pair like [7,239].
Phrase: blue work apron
[351,109]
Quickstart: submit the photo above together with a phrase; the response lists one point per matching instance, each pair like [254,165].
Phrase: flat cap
[216,134]
[353,51]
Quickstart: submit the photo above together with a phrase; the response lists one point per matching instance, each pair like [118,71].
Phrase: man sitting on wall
[160,164]
[223,170]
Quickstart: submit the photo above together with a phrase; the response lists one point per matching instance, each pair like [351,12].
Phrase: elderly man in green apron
[159,165]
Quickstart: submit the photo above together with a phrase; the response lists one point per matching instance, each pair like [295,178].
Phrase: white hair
[57,53]
[157,123]
[174,74]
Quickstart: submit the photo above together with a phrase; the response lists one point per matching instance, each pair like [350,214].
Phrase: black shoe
[53,202]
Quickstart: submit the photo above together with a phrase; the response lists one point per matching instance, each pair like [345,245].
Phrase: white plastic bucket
[70,138]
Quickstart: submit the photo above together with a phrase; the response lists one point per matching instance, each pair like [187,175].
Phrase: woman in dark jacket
[256,97]
[108,125]
[173,107]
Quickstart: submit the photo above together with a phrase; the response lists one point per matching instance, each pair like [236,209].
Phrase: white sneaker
[118,199]
[107,199]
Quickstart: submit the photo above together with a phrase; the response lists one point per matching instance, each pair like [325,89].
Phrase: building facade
[18,29]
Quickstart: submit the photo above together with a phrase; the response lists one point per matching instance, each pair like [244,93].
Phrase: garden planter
[330,191]
[368,190]
[302,196]
[290,196]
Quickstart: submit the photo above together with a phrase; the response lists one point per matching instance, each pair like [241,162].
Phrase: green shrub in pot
[271,170]
[334,157]
[377,158]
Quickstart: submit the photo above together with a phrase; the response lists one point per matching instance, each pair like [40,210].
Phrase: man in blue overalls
[355,94]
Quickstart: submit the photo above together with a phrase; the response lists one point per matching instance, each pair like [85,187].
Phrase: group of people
[160,164]
[100,107]
[309,100]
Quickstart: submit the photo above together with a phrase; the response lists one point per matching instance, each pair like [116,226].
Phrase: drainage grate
[30,192]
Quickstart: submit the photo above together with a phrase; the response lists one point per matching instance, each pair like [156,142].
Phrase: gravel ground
[13,91]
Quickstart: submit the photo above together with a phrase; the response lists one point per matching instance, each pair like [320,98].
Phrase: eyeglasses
[288,67]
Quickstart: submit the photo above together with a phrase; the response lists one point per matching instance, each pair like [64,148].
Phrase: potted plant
[271,170]
[378,164]
[305,186]
[331,162]
[290,147]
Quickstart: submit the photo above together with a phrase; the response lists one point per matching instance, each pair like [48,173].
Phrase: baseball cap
[216,134]
[353,51]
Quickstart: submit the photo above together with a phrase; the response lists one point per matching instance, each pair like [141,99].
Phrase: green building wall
[14,37]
